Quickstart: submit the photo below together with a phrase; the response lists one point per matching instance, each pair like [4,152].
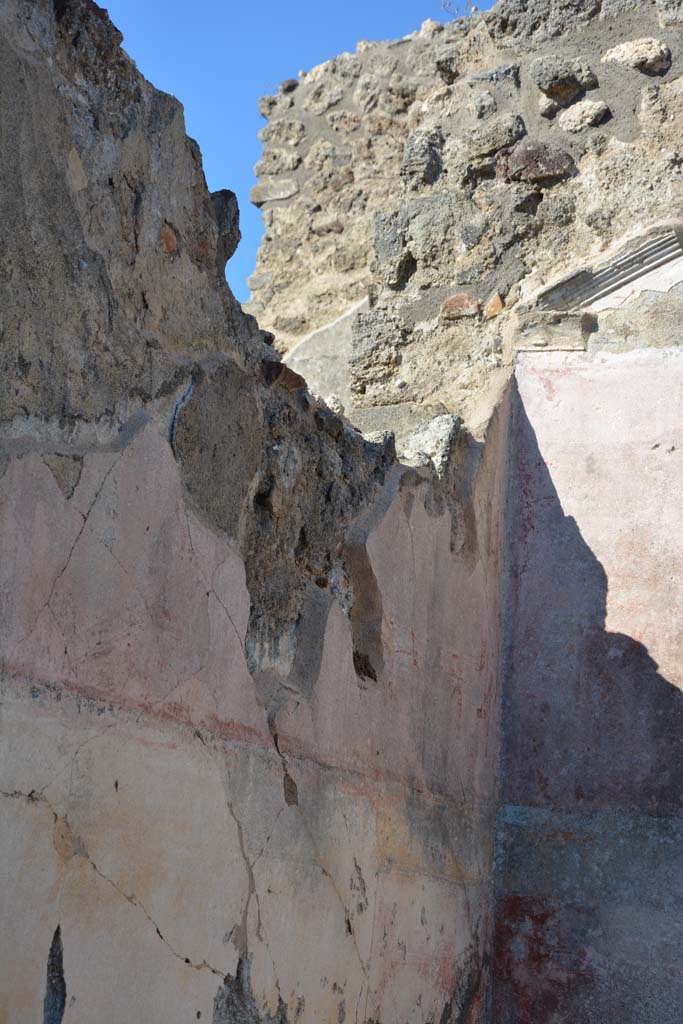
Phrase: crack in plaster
[430,796]
[85,516]
[69,765]
[241,939]
[211,584]
[136,589]
[325,872]
[46,605]
[79,850]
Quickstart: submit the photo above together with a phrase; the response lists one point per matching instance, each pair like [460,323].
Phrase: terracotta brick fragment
[494,306]
[458,306]
[168,239]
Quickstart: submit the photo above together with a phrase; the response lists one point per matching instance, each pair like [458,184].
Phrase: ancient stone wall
[294,728]
[450,175]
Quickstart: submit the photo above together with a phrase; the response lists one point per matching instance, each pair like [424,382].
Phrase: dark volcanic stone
[503,73]
[535,161]
[447,64]
[560,78]
[227,215]
[421,163]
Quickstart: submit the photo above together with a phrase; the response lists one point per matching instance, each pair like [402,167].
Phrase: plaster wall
[166,854]
[169,849]
[589,842]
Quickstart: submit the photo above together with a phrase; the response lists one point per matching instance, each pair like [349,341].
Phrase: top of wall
[452,174]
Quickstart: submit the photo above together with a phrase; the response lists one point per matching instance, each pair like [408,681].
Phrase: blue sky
[219,56]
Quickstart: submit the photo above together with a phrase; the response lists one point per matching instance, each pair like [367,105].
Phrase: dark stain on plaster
[363,666]
[308,638]
[454,491]
[465,1005]
[366,611]
[464,466]
[532,964]
[55,986]
[437,824]
[291,790]
[177,409]
[235,1004]
[359,887]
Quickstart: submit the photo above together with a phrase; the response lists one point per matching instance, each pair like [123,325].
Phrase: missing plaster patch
[291,790]
[55,986]
[216,437]
[66,469]
[235,1003]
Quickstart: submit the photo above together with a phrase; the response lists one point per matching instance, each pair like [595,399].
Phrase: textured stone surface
[670,12]
[422,163]
[531,153]
[535,161]
[457,306]
[586,114]
[648,55]
[522,21]
[494,306]
[137,270]
[267,191]
[561,78]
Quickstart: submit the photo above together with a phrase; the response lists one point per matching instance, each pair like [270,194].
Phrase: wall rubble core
[296,728]
[436,175]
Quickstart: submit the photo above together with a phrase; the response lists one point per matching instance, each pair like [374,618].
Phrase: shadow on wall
[590,857]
